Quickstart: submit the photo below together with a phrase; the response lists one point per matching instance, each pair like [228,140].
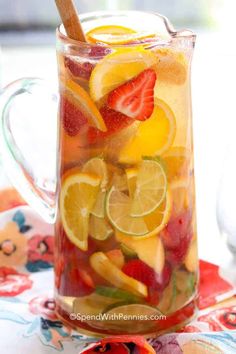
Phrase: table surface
[213,92]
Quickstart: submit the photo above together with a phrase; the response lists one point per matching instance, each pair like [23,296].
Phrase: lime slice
[116,293]
[99,228]
[150,189]
[118,206]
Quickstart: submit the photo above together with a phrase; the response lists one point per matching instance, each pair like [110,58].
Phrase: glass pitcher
[122,197]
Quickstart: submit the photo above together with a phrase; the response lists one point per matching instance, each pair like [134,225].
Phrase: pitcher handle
[28,126]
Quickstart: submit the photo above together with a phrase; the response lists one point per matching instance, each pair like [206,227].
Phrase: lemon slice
[118,207]
[150,191]
[99,228]
[117,68]
[109,271]
[97,166]
[153,137]
[81,99]
[78,195]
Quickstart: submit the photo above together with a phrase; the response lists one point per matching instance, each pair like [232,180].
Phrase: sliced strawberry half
[135,98]
[155,282]
[114,121]
[72,118]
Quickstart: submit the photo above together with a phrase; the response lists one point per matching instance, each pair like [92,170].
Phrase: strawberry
[155,282]
[135,98]
[176,238]
[76,282]
[114,121]
[80,70]
[72,118]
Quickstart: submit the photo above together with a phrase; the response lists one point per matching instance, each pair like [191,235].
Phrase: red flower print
[13,283]
[41,248]
[43,305]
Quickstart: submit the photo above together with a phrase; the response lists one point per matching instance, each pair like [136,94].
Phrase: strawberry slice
[115,121]
[155,282]
[135,98]
[72,118]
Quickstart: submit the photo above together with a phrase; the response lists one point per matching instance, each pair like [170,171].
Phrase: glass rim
[174,34]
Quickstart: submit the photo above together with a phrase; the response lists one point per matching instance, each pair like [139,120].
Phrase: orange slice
[78,196]
[117,68]
[109,34]
[81,100]
[154,136]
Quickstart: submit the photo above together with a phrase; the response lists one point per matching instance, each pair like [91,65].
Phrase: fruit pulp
[126,249]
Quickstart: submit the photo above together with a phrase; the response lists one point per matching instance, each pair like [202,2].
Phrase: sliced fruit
[181,195]
[176,160]
[139,317]
[117,257]
[135,98]
[119,181]
[177,237]
[80,283]
[99,206]
[115,293]
[171,66]
[99,228]
[117,68]
[98,167]
[127,251]
[154,281]
[72,118]
[109,34]
[115,123]
[81,101]
[191,259]
[150,191]
[106,269]
[93,304]
[149,250]
[78,195]
[118,207]
[78,69]
[153,137]
[131,174]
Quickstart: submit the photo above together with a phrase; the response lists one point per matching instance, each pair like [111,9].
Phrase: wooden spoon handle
[70,19]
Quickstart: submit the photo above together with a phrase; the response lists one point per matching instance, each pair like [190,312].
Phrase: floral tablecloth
[27,319]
